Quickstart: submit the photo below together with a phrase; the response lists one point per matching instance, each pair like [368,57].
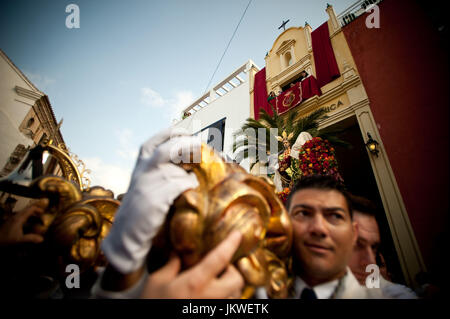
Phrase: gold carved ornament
[227,199]
[75,222]
[77,218]
[73,168]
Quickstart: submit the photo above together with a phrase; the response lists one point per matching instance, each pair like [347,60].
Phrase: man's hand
[200,281]
[11,232]
[155,183]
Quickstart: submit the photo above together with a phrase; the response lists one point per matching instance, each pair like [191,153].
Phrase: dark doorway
[356,170]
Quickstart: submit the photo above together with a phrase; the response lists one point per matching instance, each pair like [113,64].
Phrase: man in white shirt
[324,236]
[367,249]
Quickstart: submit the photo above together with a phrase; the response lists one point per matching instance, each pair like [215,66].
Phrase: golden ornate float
[78,218]
[227,199]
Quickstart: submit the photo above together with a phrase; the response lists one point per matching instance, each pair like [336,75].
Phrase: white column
[333,18]
[266,58]
[294,60]
[283,61]
[307,29]
[212,95]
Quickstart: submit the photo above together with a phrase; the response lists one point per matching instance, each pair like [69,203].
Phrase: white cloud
[42,82]
[109,176]
[175,104]
[152,98]
[109,173]
[127,149]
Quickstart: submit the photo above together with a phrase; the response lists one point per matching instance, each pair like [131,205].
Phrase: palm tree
[289,124]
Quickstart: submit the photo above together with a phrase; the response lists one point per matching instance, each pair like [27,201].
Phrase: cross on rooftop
[283,25]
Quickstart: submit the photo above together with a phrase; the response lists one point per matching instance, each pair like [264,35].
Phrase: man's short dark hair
[363,205]
[321,182]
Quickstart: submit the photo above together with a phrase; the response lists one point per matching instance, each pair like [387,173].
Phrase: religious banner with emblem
[289,98]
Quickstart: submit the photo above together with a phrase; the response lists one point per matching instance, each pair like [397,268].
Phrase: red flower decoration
[283,195]
[317,157]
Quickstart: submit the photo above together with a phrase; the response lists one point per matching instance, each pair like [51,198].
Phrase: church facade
[372,94]
[26,119]
[365,75]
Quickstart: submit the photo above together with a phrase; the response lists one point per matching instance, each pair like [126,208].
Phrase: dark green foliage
[287,123]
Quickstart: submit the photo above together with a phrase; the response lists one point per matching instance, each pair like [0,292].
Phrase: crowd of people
[335,238]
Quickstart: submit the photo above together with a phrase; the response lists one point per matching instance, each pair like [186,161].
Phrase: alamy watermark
[373,19]
[73,19]
[73,279]
[373,279]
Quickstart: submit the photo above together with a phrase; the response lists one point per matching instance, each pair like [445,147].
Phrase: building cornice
[305,61]
[29,94]
[312,103]
[44,107]
[342,114]
[335,33]
[285,46]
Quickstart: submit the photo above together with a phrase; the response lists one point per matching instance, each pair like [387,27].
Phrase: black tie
[308,293]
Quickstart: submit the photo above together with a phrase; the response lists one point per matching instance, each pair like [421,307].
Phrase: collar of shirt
[323,291]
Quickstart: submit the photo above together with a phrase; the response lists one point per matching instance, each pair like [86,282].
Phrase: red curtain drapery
[300,92]
[260,93]
[310,87]
[326,65]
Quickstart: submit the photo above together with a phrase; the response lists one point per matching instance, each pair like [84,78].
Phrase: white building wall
[234,106]
[13,109]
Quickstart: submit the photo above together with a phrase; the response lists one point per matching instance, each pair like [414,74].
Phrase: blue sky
[123,75]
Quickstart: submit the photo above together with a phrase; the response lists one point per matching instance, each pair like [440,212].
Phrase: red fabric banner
[294,96]
[326,65]
[260,93]
[289,98]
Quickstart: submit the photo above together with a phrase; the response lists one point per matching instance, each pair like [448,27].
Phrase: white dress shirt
[322,291]
[349,288]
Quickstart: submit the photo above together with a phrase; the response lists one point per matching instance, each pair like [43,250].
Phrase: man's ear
[355,231]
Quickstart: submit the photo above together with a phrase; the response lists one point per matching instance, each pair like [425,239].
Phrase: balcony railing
[354,11]
[235,79]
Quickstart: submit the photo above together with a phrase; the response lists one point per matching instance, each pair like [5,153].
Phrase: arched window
[30,122]
[288,58]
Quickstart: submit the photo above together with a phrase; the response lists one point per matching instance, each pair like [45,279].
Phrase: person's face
[366,247]
[324,234]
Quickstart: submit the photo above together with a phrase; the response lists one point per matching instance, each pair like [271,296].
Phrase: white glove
[302,138]
[154,185]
